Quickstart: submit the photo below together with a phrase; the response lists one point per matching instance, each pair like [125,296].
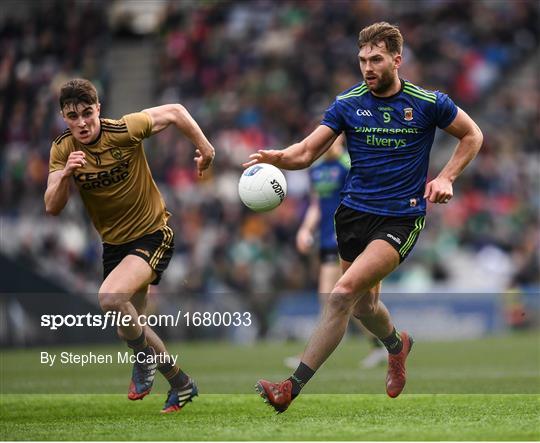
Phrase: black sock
[375,342]
[300,377]
[174,375]
[393,342]
[139,344]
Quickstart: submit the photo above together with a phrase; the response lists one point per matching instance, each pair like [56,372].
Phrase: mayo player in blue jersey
[390,125]
[327,177]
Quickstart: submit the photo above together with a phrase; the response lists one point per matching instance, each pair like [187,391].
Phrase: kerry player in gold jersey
[105,158]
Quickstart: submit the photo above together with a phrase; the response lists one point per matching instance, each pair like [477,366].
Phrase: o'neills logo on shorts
[393,237]
[103,179]
[143,251]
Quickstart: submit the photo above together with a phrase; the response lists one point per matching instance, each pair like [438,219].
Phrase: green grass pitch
[469,390]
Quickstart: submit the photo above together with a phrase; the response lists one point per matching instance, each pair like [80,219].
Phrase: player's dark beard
[384,83]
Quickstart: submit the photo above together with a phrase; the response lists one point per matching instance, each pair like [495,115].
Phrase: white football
[262,187]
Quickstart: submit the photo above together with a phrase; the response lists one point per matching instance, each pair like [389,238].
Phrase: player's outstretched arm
[440,190]
[178,115]
[297,156]
[57,193]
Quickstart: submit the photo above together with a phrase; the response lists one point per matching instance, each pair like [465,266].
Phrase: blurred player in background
[390,126]
[328,177]
[106,160]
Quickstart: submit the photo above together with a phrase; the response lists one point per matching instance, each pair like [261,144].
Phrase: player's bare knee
[110,302]
[342,298]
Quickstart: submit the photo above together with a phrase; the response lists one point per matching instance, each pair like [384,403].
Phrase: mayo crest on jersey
[327,179]
[389,141]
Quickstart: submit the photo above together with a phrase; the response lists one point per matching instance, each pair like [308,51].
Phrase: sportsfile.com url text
[115,319]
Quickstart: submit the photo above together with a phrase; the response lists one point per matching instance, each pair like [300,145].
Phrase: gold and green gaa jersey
[116,185]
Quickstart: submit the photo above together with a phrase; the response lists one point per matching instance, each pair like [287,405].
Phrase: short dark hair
[382,32]
[78,90]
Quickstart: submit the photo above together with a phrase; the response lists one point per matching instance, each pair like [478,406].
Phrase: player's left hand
[203,158]
[439,190]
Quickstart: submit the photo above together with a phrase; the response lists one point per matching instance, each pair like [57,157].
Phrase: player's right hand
[203,158]
[76,159]
[270,156]
[304,241]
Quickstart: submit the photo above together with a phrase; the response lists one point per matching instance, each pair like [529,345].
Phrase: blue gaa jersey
[389,140]
[327,179]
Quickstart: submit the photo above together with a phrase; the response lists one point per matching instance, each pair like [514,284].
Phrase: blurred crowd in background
[260,74]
